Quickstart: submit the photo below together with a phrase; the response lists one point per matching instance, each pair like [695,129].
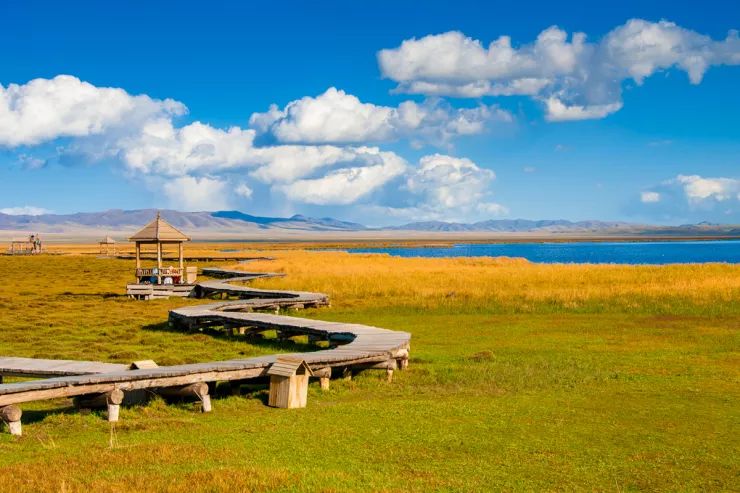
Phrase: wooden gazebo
[160,233]
[107,246]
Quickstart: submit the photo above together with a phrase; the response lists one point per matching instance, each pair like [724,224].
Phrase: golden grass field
[524,377]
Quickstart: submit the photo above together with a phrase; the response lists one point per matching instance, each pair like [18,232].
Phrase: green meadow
[522,377]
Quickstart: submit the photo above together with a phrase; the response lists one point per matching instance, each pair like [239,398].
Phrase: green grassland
[623,389]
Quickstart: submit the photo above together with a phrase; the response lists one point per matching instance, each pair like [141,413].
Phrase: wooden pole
[392,365]
[112,400]
[324,375]
[182,263]
[199,390]
[11,415]
[159,263]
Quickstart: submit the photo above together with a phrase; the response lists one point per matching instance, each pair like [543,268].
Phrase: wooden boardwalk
[351,346]
[32,367]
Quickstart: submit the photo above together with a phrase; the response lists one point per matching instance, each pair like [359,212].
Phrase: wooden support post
[138,255]
[389,366]
[114,400]
[402,358]
[182,263]
[11,415]
[324,375]
[111,400]
[205,403]
[159,263]
[389,370]
[199,390]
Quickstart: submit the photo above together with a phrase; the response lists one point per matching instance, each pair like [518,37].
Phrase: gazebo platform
[158,291]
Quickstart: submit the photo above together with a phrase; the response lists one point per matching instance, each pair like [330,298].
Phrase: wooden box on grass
[289,383]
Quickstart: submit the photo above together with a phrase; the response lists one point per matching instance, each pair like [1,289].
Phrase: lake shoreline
[584,252]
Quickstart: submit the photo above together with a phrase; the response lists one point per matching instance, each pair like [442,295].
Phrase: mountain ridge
[125,220]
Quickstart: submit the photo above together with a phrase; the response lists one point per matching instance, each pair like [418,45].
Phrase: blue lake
[654,252]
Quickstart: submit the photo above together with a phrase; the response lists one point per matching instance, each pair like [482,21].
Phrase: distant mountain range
[236,224]
[516,226]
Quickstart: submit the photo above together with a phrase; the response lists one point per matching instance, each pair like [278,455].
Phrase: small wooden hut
[161,234]
[289,383]
[107,246]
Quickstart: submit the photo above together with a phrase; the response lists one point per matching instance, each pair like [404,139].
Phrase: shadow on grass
[38,415]
[69,294]
[269,342]
[256,389]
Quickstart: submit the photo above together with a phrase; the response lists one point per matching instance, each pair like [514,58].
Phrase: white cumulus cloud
[25,210]
[341,118]
[557,111]
[574,78]
[692,198]
[317,156]
[46,109]
[649,197]
[244,191]
[345,174]
[447,187]
[699,189]
[197,193]
[346,185]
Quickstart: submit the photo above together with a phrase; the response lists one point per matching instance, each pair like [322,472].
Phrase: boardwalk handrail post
[11,416]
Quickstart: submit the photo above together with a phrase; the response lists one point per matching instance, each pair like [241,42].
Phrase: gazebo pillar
[159,262]
[182,262]
[138,255]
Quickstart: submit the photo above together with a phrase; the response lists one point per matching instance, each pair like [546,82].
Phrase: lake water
[654,252]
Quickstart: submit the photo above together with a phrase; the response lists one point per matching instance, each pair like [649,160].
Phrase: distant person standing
[37,246]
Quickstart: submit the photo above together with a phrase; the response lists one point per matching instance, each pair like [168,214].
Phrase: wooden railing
[163,272]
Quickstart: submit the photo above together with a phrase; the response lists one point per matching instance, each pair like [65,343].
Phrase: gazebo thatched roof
[159,230]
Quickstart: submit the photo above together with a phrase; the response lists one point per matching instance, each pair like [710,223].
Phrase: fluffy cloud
[346,174]
[448,181]
[575,79]
[315,160]
[557,111]
[243,190]
[26,210]
[694,198]
[196,194]
[699,190]
[341,118]
[649,197]
[346,185]
[445,187]
[46,109]
[161,148]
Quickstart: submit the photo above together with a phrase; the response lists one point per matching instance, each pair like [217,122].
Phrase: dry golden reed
[517,284]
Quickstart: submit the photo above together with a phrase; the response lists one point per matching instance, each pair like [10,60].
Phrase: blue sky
[385,112]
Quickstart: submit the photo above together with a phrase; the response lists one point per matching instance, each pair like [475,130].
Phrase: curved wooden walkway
[351,346]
